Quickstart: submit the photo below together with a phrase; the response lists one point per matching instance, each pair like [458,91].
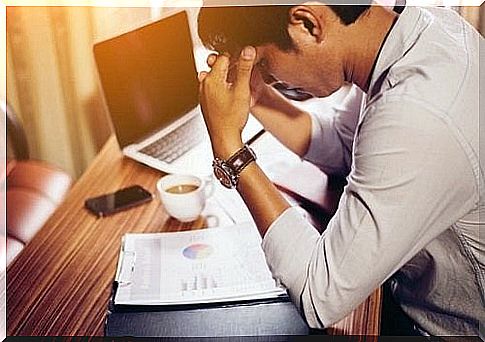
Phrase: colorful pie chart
[197,251]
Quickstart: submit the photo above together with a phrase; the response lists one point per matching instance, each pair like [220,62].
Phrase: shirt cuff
[314,150]
[288,245]
[324,150]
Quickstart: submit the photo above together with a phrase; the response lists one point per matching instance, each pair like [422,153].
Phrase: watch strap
[242,158]
[228,171]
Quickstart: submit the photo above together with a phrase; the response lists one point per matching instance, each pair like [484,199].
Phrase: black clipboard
[273,319]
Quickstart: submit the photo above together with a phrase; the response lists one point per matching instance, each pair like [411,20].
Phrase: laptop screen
[148,77]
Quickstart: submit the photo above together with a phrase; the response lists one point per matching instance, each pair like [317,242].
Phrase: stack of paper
[201,266]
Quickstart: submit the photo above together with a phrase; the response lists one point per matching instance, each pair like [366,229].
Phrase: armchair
[33,189]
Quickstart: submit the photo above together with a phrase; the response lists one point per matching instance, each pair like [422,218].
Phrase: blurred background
[52,80]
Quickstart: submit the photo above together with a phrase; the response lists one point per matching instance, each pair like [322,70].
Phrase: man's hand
[225,105]
[257,84]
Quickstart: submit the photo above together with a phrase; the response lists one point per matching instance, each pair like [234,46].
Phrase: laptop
[150,86]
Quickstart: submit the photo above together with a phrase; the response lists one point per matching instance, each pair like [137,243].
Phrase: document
[202,266]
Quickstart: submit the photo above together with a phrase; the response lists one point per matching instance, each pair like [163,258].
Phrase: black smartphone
[122,199]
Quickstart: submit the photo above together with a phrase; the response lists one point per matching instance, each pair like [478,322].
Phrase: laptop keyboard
[176,143]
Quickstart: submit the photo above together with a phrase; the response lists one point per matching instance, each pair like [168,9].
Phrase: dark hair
[348,14]
[228,29]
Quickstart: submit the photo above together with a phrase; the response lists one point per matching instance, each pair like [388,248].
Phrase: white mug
[186,206]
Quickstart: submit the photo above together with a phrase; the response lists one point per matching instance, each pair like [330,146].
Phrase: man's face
[300,75]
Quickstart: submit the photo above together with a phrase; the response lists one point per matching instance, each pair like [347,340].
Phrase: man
[406,137]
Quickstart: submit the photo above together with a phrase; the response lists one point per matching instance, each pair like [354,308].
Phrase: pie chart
[197,251]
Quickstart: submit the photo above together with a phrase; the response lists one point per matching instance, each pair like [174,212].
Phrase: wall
[52,81]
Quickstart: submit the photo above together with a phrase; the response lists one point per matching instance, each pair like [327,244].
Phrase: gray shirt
[413,204]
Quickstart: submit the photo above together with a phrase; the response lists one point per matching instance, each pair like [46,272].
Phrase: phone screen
[119,200]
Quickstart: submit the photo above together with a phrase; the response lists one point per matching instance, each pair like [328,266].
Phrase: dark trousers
[394,322]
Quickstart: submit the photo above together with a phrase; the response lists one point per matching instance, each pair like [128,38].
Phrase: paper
[231,203]
[209,265]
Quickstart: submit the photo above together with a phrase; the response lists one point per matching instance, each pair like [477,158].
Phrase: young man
[406,138]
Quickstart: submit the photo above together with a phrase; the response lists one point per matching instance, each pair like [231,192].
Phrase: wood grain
[60,284]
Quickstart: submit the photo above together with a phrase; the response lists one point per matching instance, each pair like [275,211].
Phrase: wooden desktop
[60,284]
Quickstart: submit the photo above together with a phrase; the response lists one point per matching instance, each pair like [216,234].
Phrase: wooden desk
[61,282]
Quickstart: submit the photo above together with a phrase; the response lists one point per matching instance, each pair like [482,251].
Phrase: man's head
[299,45]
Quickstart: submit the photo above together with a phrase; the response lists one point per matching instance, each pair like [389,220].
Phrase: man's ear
[304,20]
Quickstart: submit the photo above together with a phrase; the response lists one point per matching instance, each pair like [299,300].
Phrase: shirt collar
[404,33]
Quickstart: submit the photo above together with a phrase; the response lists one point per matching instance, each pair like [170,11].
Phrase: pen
[255,137]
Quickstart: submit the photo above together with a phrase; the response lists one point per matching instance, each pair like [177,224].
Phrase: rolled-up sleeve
[332,135]
[410,181]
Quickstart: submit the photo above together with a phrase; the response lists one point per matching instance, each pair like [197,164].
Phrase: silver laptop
[150,85]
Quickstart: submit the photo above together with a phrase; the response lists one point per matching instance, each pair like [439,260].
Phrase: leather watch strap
[243,157]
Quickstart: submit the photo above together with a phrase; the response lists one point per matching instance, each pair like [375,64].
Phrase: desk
[61,282]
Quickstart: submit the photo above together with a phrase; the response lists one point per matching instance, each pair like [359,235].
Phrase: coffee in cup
[184,196]
[182,188]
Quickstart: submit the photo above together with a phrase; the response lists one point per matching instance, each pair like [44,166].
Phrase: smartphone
[120,200]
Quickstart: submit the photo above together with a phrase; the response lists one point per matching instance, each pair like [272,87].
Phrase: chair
[34,189]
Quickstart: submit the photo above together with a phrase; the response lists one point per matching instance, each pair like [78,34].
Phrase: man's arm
[226,109]
[324,140]
[410,182]
[288,123]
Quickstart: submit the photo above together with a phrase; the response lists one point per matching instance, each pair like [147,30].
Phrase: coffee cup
[184,196]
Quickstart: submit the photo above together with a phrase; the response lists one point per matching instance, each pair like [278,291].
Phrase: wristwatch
[228,171]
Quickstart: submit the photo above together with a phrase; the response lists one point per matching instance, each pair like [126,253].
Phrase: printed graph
[197,251]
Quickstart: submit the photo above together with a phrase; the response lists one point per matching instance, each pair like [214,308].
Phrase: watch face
[222,176]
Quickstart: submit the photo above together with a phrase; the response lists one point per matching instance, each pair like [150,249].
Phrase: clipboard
[272,318]
[275,318]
